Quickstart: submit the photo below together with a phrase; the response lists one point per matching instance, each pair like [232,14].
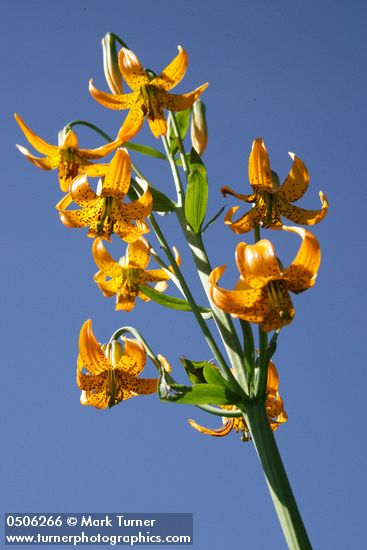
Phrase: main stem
[276,477]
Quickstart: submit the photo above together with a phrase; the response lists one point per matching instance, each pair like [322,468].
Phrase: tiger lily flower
[66,156]
[262,293]
[124,278]
[104,212]
[149,96]
[271,200]
[112,371]
[273,405]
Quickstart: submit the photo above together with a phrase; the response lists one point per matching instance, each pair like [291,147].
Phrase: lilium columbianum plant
[104,212]
[67,157]
[124,278]
[261,294]
[149,96]
[272,201]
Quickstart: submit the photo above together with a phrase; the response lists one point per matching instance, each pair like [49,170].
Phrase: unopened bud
[199,128]
[110,64]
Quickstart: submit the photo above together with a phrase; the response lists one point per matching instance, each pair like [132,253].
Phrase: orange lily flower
[273,405]
[271,200]
[112,371]
[262,292]
[149,96]
[67,157]
[124,278]
[104,212]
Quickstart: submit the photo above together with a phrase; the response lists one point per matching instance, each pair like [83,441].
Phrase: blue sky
[291,72]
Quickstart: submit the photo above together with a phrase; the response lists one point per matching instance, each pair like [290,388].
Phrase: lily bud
[110,64]
[199,128]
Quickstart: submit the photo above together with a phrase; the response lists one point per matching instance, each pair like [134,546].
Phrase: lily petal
[131,69]
[250,305]
[142,207]
[38,143]
[259,171]
[133,358]
[132,123]
[80,192]
[104,260]
[91,354]
[302,273]
[174,72]
[246,222]
[302,216]
[138,253]
[117,179]
[48,163]
[258,263]
[297,181]
[111,101]
[175,102]
[219,432]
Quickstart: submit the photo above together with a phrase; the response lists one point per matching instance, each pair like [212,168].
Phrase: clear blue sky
[292,72]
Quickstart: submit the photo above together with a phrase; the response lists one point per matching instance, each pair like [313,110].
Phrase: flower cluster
[117,204]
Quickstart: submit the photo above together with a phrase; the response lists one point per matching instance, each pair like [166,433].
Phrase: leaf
[194,370]
[197,394]
[197,192]
[213,219]
[145,150]
[171,301]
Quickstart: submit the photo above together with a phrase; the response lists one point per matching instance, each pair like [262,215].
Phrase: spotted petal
[112,101]
[259,171]
[116,182]
[104,260]
[302,216]
[174,72]
[297,181]
[91,354]
[38,143]
[302,273]
[133,358]
[131,69]
[258,263]
[174,102]
[246,222]
[138,253]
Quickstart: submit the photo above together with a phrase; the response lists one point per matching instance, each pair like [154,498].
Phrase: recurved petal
[273,379]
[104,260]
[90,382]
[133,358]
[138,386]
[117,179]
[80,191]
[91,354]
[37,142]
[246,222]
[296,183]
[98,400]
[174,102]
[142,207]
[138,253]
[225,190]
[108,288]
[70,140]
[125,301]
[131,69]
[174,72]
[47,163]
[250,304]
[125,227]
[219,432]
[258,263]
[259,171]
[111,101]
[158,123]
[302,216]
[302,273]
[132,123]
[99,152]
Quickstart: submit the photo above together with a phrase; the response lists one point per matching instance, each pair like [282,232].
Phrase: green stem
[262,373]
[90,125]
[280,490]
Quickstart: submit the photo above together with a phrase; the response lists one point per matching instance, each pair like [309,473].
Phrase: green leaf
[197,394]
[171,301]
[194,370]
[145,150]
[197,192]
[161,203]
[213,219]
